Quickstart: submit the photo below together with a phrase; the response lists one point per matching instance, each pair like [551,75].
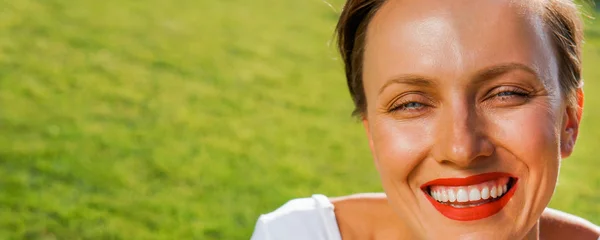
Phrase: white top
[309,219]
[299,219]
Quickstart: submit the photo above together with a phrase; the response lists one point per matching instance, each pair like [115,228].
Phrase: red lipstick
[484,209]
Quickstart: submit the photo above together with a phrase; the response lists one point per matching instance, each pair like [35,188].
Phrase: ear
[570,126]
[365,122]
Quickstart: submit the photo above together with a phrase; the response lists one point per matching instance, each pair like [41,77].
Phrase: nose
[461,138]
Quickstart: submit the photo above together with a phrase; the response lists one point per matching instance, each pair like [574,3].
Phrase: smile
[471,198]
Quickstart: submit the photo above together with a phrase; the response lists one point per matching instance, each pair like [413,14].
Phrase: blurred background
[188,119]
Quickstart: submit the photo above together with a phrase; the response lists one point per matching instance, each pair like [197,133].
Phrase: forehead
[453,38]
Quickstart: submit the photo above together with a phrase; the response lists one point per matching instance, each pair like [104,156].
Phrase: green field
[187,119]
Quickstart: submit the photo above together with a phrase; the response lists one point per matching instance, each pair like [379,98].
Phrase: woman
[469,107]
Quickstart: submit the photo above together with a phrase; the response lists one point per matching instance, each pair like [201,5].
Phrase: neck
[534,233]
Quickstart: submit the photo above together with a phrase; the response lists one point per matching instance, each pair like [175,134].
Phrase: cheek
[530,137]
[527,141]
[530,134]
[400,146]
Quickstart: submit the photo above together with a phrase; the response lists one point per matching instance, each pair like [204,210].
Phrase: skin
[454,89]
[369,216]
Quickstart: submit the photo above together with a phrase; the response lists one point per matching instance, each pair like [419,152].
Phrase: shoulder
[360,206]
[555,224]
[301,218]
[367,216]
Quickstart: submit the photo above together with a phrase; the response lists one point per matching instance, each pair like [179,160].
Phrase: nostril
[466,154]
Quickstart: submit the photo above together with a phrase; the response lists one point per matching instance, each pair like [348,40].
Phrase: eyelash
[512,93]
[403,106]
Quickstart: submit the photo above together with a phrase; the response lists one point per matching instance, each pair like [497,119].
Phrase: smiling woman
[469,107]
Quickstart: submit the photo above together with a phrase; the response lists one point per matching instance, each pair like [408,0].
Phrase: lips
[472,198]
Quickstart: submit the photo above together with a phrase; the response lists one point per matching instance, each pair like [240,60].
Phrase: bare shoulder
[555,224]
[366,216]
[362,204]
[360,197]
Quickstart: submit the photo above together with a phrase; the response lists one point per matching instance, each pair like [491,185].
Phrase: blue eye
[412,105]
[510,93]
[409,106]
[505,93]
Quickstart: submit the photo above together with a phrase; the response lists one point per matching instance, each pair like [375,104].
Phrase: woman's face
[465,116]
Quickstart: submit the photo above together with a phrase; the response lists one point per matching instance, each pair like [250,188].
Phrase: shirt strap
[327,216]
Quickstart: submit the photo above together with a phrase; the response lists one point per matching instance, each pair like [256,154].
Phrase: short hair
[561,18]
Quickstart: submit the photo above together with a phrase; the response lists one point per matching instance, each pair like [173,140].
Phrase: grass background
[187,119]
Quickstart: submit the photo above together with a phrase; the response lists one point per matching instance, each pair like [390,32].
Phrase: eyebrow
[409,79]
[498,70]
[480,76]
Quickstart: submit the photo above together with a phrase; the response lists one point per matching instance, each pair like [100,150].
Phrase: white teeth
[461,195]
[444,196]
[482,191]
[485,193]
[474,194]
[451,195]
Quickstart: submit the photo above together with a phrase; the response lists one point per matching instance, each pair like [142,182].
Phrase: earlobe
[570,128]
[568,133]
[566,148]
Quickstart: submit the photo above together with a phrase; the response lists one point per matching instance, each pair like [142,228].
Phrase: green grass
[187,119]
